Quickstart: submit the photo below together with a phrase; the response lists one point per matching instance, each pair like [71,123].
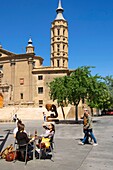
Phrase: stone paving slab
[68,154]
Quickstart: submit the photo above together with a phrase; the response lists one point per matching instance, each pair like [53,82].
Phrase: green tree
[81,85]
[58,91]
[109,83]
[98,95]
[77,86]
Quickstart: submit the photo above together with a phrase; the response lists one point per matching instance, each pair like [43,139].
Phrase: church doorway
[1,100]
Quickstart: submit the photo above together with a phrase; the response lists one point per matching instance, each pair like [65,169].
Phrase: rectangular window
[40,77]
[40,90]
[21,81]
[1,67]
[33,65]
[40,102]
[21,95]
[58,63]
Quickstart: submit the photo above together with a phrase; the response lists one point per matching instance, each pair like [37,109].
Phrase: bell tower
[59,40]
[30,47]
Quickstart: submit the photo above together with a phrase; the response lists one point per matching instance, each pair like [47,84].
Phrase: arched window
[58,63]
[53,47]
[58,47]
[63,47]
[58,32]
[63,31]
[53,32]
[63,63]
[53,63]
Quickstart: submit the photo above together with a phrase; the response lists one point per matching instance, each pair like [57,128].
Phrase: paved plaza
[68,154]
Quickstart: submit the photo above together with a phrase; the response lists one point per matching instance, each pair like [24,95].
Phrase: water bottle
[35,133]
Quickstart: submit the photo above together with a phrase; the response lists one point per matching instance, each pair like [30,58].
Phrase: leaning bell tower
[59,40]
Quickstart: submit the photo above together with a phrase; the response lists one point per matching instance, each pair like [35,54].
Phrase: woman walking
[89,129]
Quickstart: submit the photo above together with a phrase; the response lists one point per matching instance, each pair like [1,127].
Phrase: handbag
[11,156]
[46,141]
[8,149]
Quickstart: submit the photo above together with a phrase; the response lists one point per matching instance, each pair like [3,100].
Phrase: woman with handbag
[47,137]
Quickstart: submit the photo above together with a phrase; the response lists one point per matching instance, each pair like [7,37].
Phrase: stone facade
[17,82]
[43,76]
[23,79]
[59,44]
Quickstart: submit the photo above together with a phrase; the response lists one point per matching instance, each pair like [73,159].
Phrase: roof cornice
[6,52]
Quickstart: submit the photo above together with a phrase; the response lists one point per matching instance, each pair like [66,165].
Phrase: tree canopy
[97,91]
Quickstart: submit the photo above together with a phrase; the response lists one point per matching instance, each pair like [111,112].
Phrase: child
[44,116]
[15,118]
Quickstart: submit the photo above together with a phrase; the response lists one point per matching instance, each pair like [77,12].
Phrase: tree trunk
[91,111]
[76,112]
[63,112]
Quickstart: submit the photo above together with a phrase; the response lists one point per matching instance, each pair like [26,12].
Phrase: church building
[24,79]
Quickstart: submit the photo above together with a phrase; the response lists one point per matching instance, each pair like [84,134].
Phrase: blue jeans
[44,118]
[92,135]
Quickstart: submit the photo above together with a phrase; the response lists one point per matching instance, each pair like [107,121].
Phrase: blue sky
[90,24]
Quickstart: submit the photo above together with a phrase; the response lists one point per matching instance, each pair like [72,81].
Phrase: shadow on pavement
[74,121]
[4,139]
